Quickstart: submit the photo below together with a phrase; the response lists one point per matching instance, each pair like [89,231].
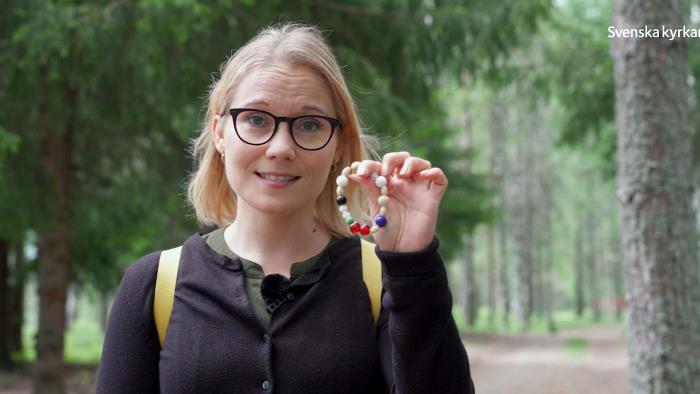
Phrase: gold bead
[383,200]
[382,211]
[385,190]
[374,229]
[339,190]
[346,171]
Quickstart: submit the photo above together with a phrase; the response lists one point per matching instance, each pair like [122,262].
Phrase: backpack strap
[165,290]
[372,276]
[170,261]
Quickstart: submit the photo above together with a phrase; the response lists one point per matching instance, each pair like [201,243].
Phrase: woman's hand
[415,191]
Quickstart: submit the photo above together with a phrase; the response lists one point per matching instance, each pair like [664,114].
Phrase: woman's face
[282,91]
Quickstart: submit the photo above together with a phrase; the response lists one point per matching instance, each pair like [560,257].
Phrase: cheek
[238,160]
[323,173]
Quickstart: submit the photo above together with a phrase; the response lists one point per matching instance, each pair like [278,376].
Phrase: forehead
[284,89]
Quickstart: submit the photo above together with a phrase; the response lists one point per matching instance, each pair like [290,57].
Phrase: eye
[256,120]
[309,124]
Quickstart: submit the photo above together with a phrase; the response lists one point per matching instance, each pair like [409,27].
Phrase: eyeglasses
[257,127]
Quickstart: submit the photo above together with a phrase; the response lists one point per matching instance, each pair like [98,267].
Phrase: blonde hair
[293,44]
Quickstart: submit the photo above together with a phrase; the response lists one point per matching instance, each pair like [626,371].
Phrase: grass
[576,346]
[83,343]
[538,324]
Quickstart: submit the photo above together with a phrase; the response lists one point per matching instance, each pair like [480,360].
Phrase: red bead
[364,230]
[355,228]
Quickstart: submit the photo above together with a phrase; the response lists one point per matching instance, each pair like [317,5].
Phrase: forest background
[515,100]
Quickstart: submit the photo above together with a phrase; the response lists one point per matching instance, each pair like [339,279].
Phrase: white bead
[341,180]
[354,165]
[343,208]
[347,215]
[339,191]
[383,200]
[374,229]
[361,170]
[385,190]
[374,176]
[346,171]
[382,211]
[380,181]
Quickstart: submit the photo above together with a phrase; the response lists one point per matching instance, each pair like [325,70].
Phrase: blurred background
[515,100]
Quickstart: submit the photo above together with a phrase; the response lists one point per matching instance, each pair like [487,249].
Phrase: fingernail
[404,170]
[384,170]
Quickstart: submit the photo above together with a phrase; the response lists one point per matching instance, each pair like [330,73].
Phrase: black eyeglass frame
[234,112]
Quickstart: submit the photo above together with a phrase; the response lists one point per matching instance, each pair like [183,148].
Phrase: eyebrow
[310,107]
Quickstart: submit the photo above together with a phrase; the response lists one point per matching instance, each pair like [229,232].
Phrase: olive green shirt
[254,273]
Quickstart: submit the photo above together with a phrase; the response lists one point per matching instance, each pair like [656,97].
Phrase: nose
[281,146]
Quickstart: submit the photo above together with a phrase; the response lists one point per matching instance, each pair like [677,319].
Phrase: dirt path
[500,364]
[545,365]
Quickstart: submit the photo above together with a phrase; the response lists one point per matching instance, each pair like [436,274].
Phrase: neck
[275,240]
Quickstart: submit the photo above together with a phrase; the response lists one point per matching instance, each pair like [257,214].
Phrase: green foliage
[576,68]
[569,61]
[9,143]
[577,49]
[128,79]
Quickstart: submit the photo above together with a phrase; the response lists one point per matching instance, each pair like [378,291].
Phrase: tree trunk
[5,360]
[72,305]
[618,279]
[547,254]
[491,267]
[471,291]
[579,280]
[522,233]
[654,187]
[536,295]
[54,242]
[592,262]
[19,275]
[497,137]
[104,308]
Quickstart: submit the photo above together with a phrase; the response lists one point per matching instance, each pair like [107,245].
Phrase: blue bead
[380,221]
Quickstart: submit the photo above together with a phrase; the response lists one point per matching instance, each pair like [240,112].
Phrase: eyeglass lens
[310,132]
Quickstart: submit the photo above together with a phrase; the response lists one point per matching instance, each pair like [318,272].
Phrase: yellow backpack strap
[165,290]
[372,276]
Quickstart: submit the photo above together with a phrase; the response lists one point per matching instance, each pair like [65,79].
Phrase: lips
[277,177]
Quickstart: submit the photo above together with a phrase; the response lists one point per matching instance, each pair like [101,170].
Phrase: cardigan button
[290,296]
[265,385]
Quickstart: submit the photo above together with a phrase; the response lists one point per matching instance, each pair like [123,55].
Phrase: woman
[280,128]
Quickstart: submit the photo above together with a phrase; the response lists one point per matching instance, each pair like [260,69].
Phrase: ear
[216,127]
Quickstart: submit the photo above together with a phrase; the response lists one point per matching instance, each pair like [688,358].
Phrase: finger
[413,165]
[367,167]
[437,181]
[364,178]
[393,161]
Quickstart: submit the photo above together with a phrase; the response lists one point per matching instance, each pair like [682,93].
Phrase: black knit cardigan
[322,340]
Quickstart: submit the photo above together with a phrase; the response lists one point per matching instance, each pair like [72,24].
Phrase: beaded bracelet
[379,220]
